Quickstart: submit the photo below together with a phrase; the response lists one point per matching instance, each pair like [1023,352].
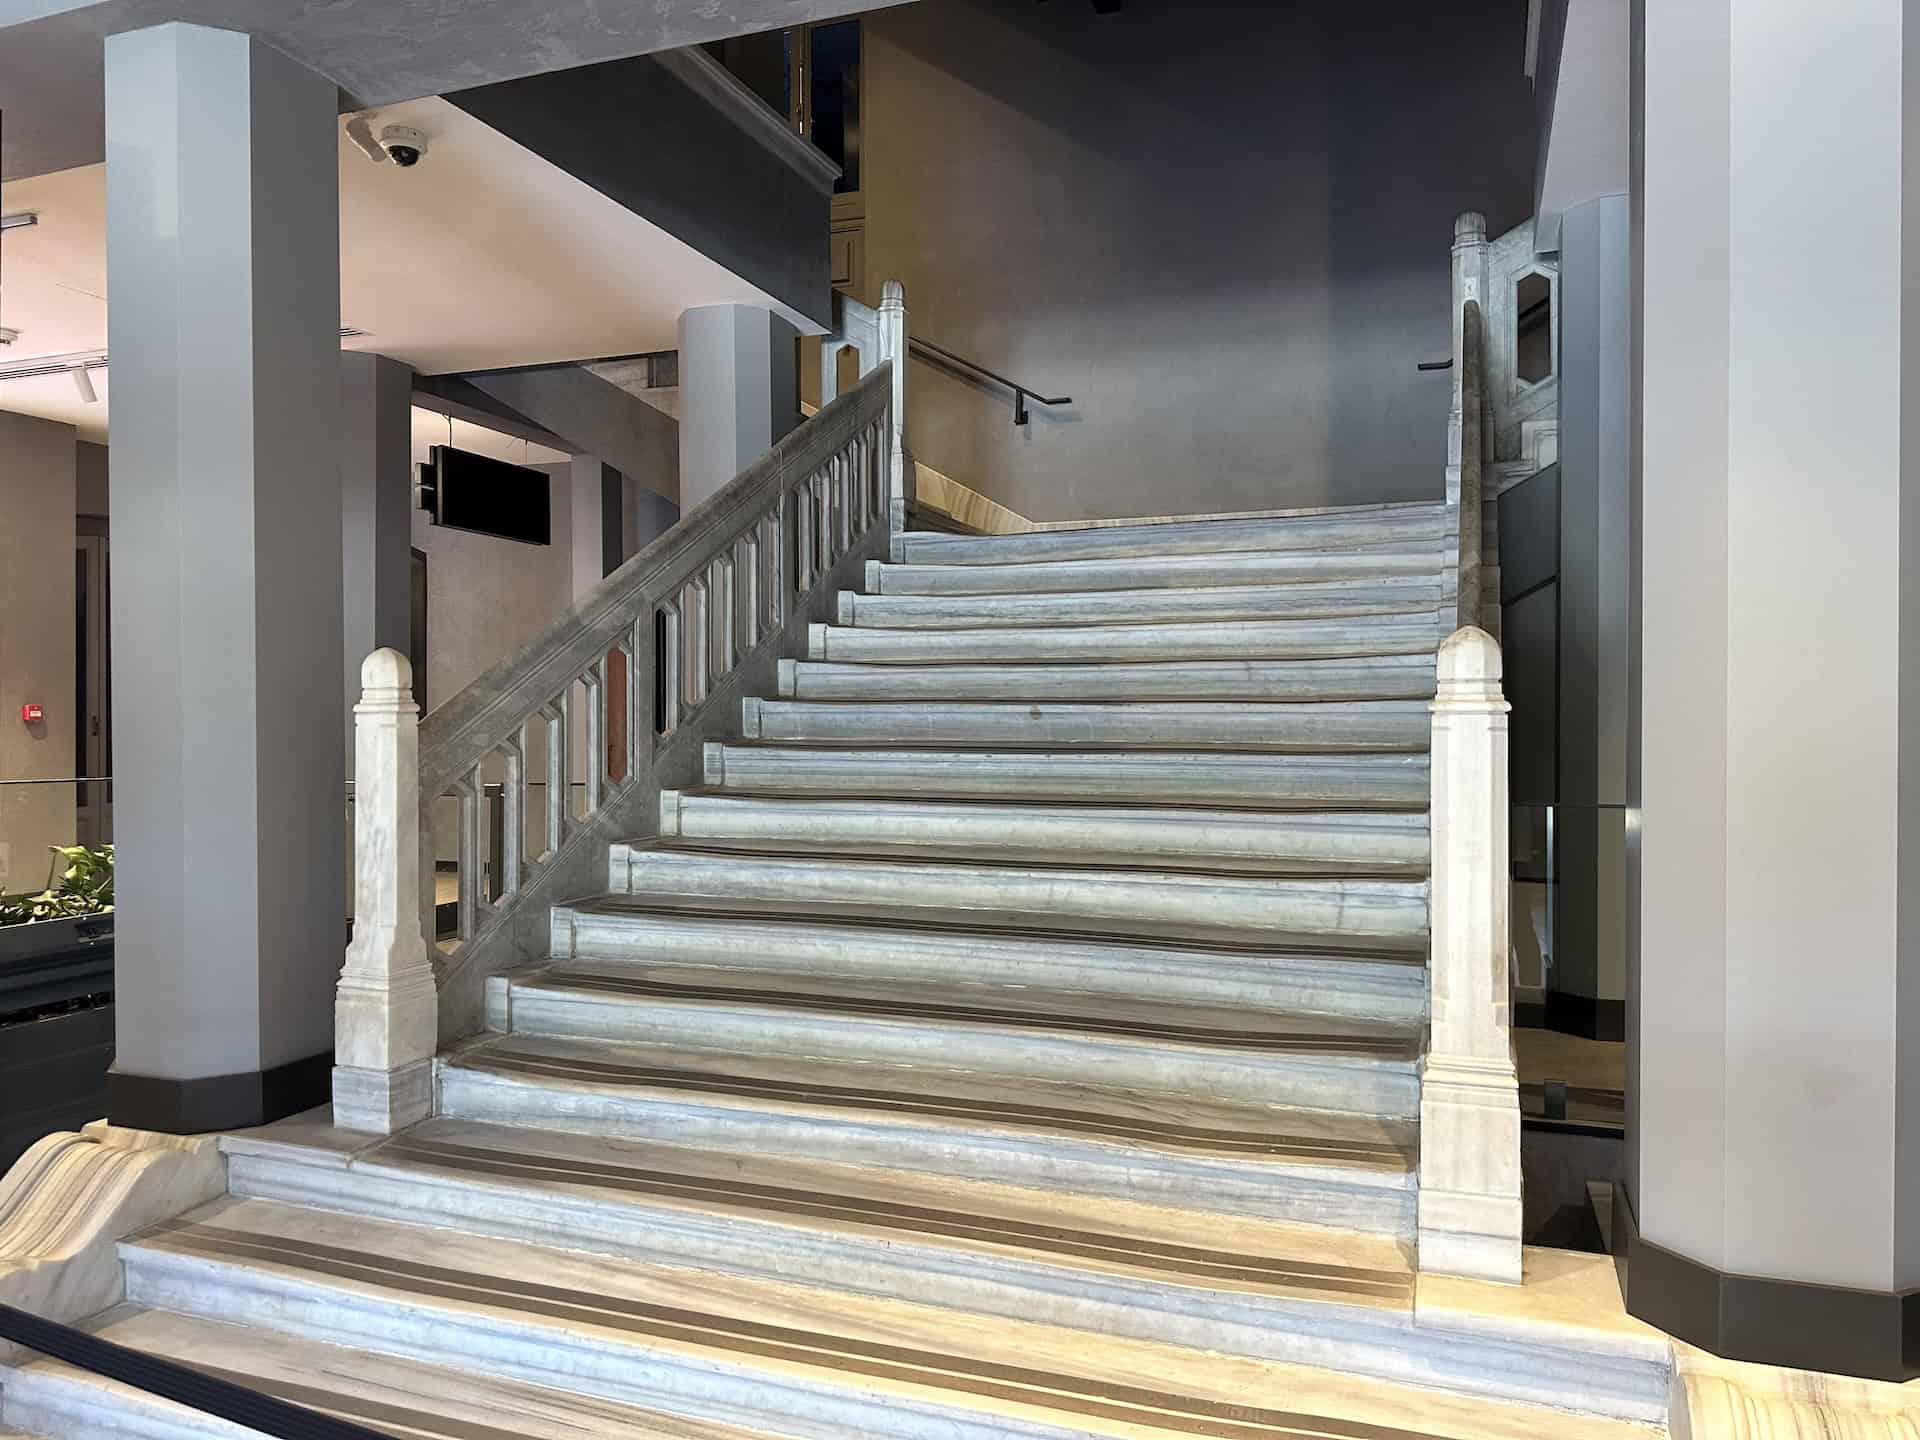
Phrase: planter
[53,962]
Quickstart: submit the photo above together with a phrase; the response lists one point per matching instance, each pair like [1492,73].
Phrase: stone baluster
[387,1011]
[1470,254]
[893,346]
[1470,1094]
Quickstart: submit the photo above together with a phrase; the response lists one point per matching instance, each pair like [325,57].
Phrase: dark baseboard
[219,1102]
[1868,1333]
[1585,1016]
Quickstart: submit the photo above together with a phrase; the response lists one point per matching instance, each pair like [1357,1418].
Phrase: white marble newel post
[386,1015]
[1470,1095]
[893,346]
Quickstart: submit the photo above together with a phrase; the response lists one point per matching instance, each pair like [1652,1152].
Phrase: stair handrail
[196,1389]
[606,688]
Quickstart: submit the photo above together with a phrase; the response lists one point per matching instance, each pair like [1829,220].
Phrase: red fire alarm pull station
[33,714]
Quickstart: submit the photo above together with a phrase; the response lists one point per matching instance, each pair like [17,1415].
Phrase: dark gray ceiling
[377,51]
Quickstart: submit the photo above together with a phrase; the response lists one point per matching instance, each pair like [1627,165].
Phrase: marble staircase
[1016,1032]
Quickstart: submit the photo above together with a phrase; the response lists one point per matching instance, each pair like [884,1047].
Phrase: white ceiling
[480,257]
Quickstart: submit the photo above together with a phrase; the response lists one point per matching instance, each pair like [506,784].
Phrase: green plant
[79,882]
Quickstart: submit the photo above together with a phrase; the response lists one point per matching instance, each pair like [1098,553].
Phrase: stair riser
[706,1385]
[1250,781]
[1256,680]
[1346,1084]
[1323,1333]
[1354,988]
[1355,1199]
[1340,599]
[1422,526]
[1402,726]
[1091,644]
[1389,912]
[1356,844]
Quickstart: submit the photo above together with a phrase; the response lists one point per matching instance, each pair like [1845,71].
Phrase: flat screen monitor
[490,497]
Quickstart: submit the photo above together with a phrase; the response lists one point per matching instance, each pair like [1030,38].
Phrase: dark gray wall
[638,135]
[1222,228]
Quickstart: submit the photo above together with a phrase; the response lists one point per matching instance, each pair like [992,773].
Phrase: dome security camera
[404,145]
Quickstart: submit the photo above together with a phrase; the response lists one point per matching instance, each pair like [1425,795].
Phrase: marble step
[1393,677]
[1111,1267]
[1344,727]
[1313,1062]
[1305,981]
[1197,1153]
[1337,639]
[1286,843]
[1388,916]
[1327,530]
[809,1362]
[1157,572]
[379,1391]
[1391,595]
[1252,781]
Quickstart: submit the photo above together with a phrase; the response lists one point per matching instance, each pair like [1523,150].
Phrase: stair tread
[381,1392]
[1249,682]
[1144,834]
[1293,640]
[1149,573]
[1227,780]
[801,915]
[1152,1022]
[1373,916]
[1332,528]
[786,1340]
[1279,727]
[963,1100]
[1376,596]
[821,1196]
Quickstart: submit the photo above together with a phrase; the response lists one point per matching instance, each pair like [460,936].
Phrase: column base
[1470,1217]
[206,1103]
[382,1101]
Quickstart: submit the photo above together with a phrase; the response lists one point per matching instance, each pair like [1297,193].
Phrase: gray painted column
[1777,977]
[739,392]
[376,494]
[223,260]
[1595,588]
[599,524]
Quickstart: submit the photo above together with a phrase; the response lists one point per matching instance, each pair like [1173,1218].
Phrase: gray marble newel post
[386,1014]
[1469,1093]
[893,346]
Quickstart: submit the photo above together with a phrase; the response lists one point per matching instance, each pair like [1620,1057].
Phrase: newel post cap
[1469,656]
[1469,227]
[893,296]
[386,669]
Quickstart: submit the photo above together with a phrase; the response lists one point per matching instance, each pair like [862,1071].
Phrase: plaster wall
[1223,229]
[37,476]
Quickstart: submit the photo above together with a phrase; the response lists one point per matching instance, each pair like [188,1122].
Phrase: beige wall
[37,469]
[486,597]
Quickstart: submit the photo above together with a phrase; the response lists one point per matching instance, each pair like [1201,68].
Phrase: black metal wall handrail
[179,1383]
[1021,393]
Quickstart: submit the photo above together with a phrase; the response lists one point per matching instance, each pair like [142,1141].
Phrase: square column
[223,262]
[739,393]
[1773,1188]
[376,492]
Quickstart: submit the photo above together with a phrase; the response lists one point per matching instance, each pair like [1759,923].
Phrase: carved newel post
[893,346]
[387,1012]
[1470,1095]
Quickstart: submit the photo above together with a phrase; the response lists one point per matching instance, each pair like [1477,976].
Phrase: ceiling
[376,51]
[482,256]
